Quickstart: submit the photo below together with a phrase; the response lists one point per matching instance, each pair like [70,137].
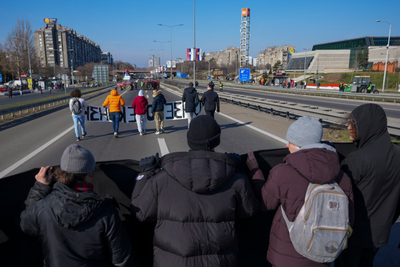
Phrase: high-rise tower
[244,37]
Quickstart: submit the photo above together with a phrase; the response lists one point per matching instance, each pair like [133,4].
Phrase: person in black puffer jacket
[375,173]
[190,99]
[76,226]
[196,198]
[210,100]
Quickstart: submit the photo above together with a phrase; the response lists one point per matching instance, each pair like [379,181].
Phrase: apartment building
[272,54]
[59,45]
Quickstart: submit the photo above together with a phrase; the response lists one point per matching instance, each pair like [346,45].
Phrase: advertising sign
[244,75]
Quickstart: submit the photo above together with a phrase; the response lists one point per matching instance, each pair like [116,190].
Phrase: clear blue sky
[127,29]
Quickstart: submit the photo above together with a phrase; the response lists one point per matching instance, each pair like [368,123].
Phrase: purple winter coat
[287,185]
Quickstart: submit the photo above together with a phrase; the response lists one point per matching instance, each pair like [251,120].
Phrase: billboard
[245,12]
[219,72]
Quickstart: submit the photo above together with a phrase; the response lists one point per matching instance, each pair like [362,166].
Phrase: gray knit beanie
[204,133]
[305,131]
[77,159]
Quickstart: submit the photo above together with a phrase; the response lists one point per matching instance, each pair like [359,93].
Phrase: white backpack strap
[289,224]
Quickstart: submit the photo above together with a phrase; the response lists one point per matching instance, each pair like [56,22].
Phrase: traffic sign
[244,75]
[1,78]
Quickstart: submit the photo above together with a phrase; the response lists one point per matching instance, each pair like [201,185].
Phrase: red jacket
[287,185]
[139,104]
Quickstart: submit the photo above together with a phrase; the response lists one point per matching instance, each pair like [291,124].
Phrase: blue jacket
[158,102]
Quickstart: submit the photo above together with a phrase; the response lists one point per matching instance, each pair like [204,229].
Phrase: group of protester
[197,196]
[115,102]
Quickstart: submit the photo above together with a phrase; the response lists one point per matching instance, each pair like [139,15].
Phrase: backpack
[76,106]
[321,229]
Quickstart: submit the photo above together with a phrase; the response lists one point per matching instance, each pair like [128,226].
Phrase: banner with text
[172,111]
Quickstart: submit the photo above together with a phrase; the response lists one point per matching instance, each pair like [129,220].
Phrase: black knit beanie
[204,133]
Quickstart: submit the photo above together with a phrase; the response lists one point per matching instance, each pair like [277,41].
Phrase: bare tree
[19,49]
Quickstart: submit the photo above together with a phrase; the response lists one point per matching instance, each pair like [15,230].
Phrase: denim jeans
[115,120]
[79,119]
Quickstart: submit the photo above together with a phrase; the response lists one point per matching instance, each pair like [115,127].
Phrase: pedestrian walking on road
[309,161]
[196,206]
[10,92]
[190,99]
[157,110]
[114,101]
[140,105]
[78,106]
[210,101]
[375,173]
[76,227]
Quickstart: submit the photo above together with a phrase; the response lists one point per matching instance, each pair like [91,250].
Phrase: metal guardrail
[292,110]
[395,98]
[42,105]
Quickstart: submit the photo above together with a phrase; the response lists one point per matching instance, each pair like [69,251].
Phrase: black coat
[210,100]
[375,170]
[195,199]
[75,228]
[158,102]
[191,99]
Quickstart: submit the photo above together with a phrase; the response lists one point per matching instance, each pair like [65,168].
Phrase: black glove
[149,163]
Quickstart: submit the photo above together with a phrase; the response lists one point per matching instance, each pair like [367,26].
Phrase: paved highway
[392,109]
[41,141]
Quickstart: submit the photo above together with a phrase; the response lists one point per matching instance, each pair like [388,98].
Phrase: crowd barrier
[117,179]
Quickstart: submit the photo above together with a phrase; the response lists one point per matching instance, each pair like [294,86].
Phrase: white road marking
[163,146]
[256,129]
[34,153]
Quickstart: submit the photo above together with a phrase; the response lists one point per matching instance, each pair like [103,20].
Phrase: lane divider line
[255,129]
[163,146]
[34,153]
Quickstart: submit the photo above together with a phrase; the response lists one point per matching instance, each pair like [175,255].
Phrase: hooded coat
[375,171]
[115,101]
[139,104]
[158,102]
[75,228]
[287,185]
[195,199]
[191,99]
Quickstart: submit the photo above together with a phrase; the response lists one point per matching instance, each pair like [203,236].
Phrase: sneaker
[115,135]
[78,139]
[157,132]
[83,135]
[141,133]
[162,130]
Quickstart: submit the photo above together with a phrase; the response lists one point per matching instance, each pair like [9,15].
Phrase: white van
[13,83]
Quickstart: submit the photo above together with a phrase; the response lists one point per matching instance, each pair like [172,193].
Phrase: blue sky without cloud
[127,28]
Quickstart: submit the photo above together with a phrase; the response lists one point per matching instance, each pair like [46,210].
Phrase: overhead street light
[387,53]
[162,48]
[170,27]
[305,60]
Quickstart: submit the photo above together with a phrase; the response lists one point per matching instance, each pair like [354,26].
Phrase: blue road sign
[1,78]
[244,75]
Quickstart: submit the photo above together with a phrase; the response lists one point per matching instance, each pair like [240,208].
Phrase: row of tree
[18,53]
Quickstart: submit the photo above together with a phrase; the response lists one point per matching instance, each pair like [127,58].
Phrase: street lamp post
[162,49]
[170,27]
[387,53]
[194,43]
[305,60]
